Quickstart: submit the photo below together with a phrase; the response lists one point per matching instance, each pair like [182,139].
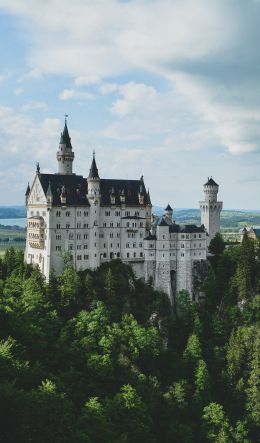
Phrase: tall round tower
[210,208]
[65,155]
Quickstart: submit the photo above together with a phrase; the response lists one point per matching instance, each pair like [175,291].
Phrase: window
[117,213]
[127,245]
[134,254]
[111,225]
[118,235]
[118,245]
[141,224]
[134,245]
[200,235]
[58,248]
[141,254]
[195,236]
[187,236]
[104,255]
[140,245]
[67,225]
[58,226]
[78,236]
[85,225]
[107,213]
[182,245]
[104,225]
[85,236]
[141,234]
[183,236]
[111,245]
[137,213]
[104,245]
[128,255]
[79,257]
[58,214]
[85,257]
[127,224]
[127,213]
[111,235]
[70,236]
[78,247]
[78,225]
[67,213]
[85,246]
[182,254]
[70,247]
[118,225]
[78,213]
[58,237]
[85,213]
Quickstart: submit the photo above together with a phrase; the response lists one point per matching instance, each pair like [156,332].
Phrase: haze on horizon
[167,89]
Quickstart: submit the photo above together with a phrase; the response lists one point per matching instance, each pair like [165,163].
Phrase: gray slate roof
[76,189]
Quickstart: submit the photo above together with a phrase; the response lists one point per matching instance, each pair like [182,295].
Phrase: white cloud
[34,73]
[68,94]
[108,88]
[87,80]
[212,48]
[31,105]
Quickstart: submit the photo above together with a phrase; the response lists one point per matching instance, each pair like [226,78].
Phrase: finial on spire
[94,154]
[38,170]
[66,116]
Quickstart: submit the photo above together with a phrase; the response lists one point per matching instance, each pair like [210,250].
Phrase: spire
[49,191]
[38,170]
[93,172]
[28,190]
[168,208]
[148,199]
[65,137]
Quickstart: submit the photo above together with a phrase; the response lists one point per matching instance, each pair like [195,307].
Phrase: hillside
[100,357]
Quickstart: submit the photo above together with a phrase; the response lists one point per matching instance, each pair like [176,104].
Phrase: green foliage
[100,356]
[217,245]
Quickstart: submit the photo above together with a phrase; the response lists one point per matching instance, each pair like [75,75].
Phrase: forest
[101,357]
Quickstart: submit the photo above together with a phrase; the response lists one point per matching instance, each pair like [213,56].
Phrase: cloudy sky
[168,89]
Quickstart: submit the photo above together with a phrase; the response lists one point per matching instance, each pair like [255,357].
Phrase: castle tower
[65,155]
[210,209]
[168,212]
[94,201]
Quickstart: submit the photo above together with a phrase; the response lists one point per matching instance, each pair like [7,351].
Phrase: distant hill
[12,212]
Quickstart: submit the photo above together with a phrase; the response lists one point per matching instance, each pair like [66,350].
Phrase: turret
[93,180]
[168,212]
[210,209]
[210,190]
[65,155]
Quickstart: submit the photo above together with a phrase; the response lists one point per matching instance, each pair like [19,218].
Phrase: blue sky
[168,89]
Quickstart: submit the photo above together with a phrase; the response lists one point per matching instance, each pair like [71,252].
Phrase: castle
[97,220]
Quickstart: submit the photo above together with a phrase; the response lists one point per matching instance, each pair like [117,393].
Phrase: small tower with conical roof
[94,212]
[210,208]
[168,212]
[65,155]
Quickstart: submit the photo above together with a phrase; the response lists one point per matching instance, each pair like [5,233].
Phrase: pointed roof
[148,199]
[28,190]
[65,137]
[49,191]
[210,182]
[168,208]
[93,172]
